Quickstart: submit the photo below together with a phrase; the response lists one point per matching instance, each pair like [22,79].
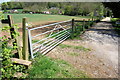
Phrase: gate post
[25,39]
[88,23]
[72,34]
[92,19]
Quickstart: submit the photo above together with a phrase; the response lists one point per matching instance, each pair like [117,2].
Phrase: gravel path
[104,41]
[102,60]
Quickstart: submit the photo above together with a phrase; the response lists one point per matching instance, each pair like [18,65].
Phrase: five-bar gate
[49,36]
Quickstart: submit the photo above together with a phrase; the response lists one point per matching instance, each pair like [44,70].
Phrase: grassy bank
[45,67]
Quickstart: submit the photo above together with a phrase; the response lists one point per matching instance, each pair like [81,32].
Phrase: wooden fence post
[12,31]
[12,27]
[25,39]
[92,19]
[83,24]
[88,23]
[72,28]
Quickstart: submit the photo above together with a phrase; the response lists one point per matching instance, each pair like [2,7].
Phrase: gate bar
[30,43]
[49,25]
[56,41]
[47,41]
[49,36]
[55,45]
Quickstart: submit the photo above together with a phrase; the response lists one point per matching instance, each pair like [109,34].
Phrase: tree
[114,6]
[69,8]
[4,6]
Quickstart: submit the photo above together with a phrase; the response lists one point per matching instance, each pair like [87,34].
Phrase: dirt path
[102,60]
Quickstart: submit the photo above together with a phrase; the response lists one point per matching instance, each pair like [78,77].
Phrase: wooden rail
[22,62]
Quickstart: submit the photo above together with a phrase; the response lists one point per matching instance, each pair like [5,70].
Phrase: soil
[102,60]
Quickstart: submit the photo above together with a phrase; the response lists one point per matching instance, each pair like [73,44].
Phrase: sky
[57,0]
[4,1]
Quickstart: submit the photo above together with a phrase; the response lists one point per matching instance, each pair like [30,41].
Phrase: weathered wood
[88,23]
[72,34]
[92,19]
[11,41]
[83,24]
[12,31]
[14,51]
[25,40]
[20,61]
[20,52]
[78,21]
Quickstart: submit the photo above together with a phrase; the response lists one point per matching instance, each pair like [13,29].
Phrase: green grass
[19,10]
[81,48]
[114,19]
[74,47]
[77,38]
[65,46]
[42,17]
[73,53]
[116,26]
[45,67]
[55,34]
[34,41]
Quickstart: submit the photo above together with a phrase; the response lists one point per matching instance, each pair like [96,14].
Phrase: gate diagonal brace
[64,28]
[56,26]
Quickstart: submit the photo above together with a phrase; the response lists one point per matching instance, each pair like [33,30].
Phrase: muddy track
[102,60]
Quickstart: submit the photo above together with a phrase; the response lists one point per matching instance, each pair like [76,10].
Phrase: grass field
[43,17]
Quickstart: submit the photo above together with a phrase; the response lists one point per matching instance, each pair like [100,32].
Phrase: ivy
[8,69]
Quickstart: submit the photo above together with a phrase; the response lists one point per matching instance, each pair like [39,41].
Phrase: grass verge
[73,53]
[45,67]
[116,26]
[75,47]
[114,19]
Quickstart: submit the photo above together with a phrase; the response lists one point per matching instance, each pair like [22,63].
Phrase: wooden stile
[20,61]
[12,31]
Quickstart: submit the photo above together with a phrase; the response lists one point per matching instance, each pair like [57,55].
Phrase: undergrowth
[116,26]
